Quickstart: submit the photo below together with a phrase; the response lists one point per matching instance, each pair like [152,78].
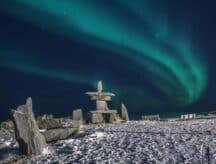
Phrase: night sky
[157,56]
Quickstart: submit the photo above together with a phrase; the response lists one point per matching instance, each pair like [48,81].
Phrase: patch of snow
[15,145]
[69,141]
[97,134]
[46,151]
[7,143]
[42,130]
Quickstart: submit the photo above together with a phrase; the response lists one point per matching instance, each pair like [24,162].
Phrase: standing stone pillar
[124,113]
[30,140]
[78,115]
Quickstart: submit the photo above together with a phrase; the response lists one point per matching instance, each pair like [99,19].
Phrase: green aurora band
[175,67]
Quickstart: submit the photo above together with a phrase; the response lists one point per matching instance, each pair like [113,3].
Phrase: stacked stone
[102,114]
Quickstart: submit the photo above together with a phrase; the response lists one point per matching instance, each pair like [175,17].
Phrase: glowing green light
[179,74]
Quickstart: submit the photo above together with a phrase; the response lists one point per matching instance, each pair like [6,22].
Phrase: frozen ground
[134,142]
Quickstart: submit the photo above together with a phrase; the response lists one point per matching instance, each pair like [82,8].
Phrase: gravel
[134,142]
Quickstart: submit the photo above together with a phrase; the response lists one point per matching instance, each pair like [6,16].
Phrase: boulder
[30,140]
[78,115]
[124,113]
[49,123]
[59,134]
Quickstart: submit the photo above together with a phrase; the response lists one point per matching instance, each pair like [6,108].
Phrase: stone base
[97,117]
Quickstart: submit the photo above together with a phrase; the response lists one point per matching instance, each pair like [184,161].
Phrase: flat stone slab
[107,111]
[49,123]
[59,134]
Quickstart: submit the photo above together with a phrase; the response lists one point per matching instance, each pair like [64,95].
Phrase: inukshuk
[102,114]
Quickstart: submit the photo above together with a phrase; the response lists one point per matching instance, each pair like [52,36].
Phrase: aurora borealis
[144,51]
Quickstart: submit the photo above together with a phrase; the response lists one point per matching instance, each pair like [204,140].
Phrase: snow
[69,140]
[42,130]
[7,143]
[97,135]
[46,151]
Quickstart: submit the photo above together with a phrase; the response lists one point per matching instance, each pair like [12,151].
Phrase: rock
[69,123]
[151,118]
[188,116]
[78,115]
[49,123]
[101,105]
[7,125]
[59,134]
[95,118]
[124,113]
[27,134]
[98,117]
[112,118]
[11,158]
[47,116]
[99,86]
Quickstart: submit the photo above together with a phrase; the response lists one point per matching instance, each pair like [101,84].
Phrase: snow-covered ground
[136,142]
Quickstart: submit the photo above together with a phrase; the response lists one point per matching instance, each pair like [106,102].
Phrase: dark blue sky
[157,56]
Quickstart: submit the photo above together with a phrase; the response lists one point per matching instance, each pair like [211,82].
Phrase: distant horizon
[132,117]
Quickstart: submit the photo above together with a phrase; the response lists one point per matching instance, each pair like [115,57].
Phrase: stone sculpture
[102,114]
